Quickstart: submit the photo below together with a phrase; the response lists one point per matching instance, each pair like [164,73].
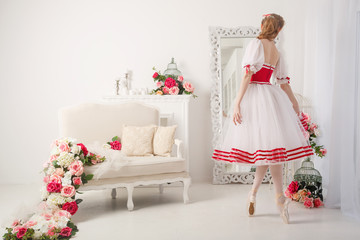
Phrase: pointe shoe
[251,203]
[283,203]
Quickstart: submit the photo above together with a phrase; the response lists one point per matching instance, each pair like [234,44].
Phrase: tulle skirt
[270,132]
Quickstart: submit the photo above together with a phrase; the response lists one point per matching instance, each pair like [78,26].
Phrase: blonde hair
[271,25]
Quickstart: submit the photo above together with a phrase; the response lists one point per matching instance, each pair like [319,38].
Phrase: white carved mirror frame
[220,173]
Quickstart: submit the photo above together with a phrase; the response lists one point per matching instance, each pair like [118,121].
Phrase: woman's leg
[277,176]
[259,176]
[281,201]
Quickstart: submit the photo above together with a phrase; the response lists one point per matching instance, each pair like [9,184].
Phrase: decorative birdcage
[310,178]
[172,69]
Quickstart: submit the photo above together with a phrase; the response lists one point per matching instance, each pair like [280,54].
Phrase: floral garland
[309,195]
[64,174]
[171,85]
[312,132]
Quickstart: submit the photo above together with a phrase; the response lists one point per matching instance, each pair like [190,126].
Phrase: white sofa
[100,122]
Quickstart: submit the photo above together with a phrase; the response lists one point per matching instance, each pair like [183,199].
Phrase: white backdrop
[332,78]
[58,53]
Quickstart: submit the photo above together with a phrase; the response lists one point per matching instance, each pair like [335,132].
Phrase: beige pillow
[138,141]
[164,140]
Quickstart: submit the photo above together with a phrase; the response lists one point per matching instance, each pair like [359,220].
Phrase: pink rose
[318,202]
[53,187]
[15,223]
[77,181]
[68,191]
[93,162]
[65,232]
[83,148]
[64,147]
[293,187]
[63,213]
[155,75]
[21,232]
[16,229]
[159,84]
[116,145]
[306,126]
[288,194]
[180,78]
[170,82]
[188,87]
[71,207]
[47,216]
[51,231]
[53,158]
[165,90]
[323,151]
[308,202]
[76,168]
[60,172]
[313,126]
[30,224]
[46,179]
[55,178]
[174,91]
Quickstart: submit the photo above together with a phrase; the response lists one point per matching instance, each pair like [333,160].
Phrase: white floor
[215,212]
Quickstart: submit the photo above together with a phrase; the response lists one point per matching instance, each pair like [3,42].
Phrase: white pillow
[138,141]
[164,140]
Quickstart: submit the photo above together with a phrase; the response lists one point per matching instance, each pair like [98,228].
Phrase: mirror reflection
[232,51]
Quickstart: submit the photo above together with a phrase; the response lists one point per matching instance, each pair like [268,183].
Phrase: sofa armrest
[178,143]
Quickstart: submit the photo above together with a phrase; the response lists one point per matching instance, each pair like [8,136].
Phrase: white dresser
[174,110]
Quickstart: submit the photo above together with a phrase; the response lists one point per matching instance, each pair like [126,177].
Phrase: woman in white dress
[266,130]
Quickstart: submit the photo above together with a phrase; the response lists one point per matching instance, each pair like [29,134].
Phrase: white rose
[56,199]
[37,235]
[75,149]
[65,159]
[107,146]
[66,180]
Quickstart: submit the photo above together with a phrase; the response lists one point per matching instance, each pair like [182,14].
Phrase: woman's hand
[237,118]
[296,108]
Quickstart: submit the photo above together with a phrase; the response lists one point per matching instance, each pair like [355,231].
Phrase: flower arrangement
[311,133]
[114,144]
[309,195]
[64,174]
[171,85]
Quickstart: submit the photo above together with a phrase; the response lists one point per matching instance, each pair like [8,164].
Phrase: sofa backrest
[100,122]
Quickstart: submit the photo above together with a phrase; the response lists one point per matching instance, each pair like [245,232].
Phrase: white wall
[58,53]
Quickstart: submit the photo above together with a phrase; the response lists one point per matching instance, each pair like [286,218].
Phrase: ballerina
[266,130]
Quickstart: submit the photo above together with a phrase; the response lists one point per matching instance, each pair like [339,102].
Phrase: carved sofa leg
[186,182]
[130,203]
[113,193]
[161,188]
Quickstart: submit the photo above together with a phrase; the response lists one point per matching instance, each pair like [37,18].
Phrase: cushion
[164,140]
[138,141]
[140,166]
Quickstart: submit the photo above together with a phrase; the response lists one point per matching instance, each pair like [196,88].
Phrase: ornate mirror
[227,49]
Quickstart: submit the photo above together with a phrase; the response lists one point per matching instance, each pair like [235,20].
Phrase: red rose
[116,145]
[54,187]
[65,232]
[21,232]
[155,75]
[169,83]
[71,207]
[83,148]
[293,187]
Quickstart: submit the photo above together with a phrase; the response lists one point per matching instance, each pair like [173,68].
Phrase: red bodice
[263,75]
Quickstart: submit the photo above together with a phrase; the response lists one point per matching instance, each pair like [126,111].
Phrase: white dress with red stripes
[270,132]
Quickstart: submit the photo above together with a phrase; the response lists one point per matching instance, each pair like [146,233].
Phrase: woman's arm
[287,89]
[243,87]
